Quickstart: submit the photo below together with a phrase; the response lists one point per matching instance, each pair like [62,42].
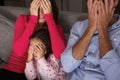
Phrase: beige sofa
[8,17]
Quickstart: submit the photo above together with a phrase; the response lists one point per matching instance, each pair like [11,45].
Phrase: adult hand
[30,53]
[46,6]
[35,5]
[92,13]
[39,51]
[105,12]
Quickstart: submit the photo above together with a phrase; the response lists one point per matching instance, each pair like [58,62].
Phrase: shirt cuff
[111,55]
[28,64]
[49,16]
[41,60]
[33,19]
[69,63]
[72,58]
[109,59]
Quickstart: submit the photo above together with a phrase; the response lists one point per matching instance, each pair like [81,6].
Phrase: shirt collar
[115,25]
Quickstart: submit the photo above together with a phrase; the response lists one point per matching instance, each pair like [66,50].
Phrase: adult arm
[56,35]
[110,64]
[22,32]
[57,40]
[24,27]
[110,61]
[77,44]
[72,56]
[105,15]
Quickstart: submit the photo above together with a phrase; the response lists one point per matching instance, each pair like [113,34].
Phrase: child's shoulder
[53,58]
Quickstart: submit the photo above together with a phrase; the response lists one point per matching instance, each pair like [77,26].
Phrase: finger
[93,8]
[107,6]
[44,5]
[112,5]
[112,13]
[99,9]
[42,46]
[48,4]
[89,4]
[39,47]
[37,5]
[33,2]
[38,50]
[30,48]
[35,50]
[102,8]
[96,11]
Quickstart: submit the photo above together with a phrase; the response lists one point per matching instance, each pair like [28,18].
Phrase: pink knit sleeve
[56,35]
[22,31]
[48,69]
[30,71]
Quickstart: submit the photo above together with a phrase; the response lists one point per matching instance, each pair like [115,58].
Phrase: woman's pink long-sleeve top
[24,28]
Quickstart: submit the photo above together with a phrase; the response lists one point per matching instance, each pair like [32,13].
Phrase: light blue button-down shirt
[92,67]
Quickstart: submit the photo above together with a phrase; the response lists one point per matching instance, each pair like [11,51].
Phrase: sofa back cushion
[12,12]
[6,37]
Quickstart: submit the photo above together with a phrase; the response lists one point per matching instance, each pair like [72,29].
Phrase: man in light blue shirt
[93,48]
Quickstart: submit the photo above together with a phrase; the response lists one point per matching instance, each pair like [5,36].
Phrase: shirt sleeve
[110,64]
[30,71]
[48,69]
[22,32]
[56,35]
[69,63]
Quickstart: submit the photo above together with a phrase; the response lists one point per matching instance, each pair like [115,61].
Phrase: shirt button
[115,39]
[88,63]
[93,51]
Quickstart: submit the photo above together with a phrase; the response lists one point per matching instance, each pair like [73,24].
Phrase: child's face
[38,47]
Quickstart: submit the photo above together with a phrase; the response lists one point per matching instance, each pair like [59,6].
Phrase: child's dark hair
[43,35]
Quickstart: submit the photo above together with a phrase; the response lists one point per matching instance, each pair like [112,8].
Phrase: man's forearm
[81,46]
[104,41]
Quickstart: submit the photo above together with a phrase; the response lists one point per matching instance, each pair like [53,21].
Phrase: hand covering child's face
[39,49]
[35,42]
